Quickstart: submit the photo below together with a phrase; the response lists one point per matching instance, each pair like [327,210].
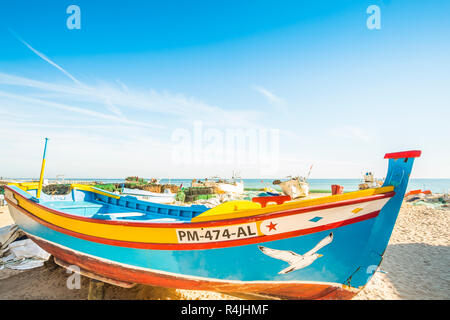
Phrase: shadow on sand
[418,271]
[415,270]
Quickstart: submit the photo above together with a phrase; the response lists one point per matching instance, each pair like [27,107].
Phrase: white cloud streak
[178,106]
[45,58]
[268,95]
[65,107]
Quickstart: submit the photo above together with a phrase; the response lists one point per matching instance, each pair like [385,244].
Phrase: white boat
[235,185]
[166,197]
[296,187]
[231,187]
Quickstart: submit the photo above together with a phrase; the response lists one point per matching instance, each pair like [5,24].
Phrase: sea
[315,185]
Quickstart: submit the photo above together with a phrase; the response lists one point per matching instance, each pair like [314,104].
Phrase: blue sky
[111,95]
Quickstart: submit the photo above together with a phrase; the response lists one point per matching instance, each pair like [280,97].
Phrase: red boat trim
[403,154]
[198,246]
[120,272]
[263,216]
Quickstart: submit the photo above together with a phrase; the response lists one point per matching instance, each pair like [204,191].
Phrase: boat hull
[126,275]
[248,271]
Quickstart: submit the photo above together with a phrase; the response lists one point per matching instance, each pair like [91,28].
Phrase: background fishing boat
[323,248]
[369,181]
[234,186]
[295,187]
[165,197]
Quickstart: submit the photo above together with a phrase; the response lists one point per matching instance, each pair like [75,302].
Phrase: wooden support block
[96,290]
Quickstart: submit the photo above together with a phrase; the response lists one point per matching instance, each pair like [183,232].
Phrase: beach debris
[181,196]
[56,189]
[8,235]
[2,193]
[23,255]
[428,199]
[417,192]
[138,183]
[337,189]
[193,194]
[269,191]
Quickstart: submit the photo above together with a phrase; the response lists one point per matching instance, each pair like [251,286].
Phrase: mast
[41,178]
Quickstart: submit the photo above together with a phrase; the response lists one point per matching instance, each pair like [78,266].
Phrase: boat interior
[91,202]
[100,204]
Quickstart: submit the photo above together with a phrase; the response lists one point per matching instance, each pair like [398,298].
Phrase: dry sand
[417,259]
[416,262]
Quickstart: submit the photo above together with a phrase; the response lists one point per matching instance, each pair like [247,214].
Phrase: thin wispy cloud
[273,98]
[118,99]
[73,113]
[113,99]
[65,107]
[123,85]
[109,105]
[45,58]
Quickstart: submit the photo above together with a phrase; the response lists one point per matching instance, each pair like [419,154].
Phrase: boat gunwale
[223,222]
[195,246]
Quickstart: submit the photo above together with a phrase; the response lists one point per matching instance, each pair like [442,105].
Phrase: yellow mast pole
[41,178]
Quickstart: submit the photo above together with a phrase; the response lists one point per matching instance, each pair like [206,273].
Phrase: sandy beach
[416,265]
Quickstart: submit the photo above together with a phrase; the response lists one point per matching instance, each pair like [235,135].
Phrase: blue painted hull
[243,263]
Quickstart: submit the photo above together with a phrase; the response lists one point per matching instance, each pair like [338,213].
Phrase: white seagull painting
[297,261]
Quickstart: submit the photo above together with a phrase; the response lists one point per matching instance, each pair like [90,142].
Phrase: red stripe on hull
[121,273]
[197,246]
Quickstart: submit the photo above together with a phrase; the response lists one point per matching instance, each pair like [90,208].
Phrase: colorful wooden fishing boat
[322,248]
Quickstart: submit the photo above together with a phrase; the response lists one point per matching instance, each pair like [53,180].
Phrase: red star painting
[271,226]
